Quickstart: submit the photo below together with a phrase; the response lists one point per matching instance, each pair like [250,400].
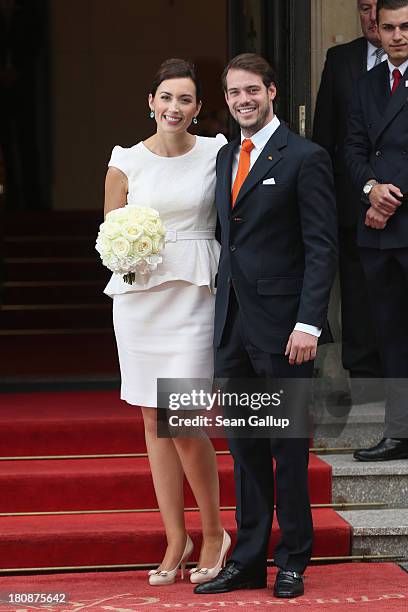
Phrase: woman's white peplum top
[182,190]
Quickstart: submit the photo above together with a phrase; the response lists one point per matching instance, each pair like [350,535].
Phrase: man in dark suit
[344,64]
[376,153]
[276,209]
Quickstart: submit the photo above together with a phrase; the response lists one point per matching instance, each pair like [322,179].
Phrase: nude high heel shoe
[159,578]
[204,574]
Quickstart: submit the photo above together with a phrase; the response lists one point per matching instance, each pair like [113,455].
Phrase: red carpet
[107,484]
[377,587]
[128,538]
[86,423]
[70,423]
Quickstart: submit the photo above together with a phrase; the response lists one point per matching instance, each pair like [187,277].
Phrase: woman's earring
[195,120]
[151,114]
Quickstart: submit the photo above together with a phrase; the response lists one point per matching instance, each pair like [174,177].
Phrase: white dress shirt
[371,50]
[259,140]
[401,68]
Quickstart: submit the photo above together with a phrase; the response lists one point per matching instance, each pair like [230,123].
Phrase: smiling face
[393,28]
[367,11]
[175,105]
[250,102]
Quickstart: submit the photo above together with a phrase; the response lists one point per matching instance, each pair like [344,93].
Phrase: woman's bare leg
[199,463]
[167,474]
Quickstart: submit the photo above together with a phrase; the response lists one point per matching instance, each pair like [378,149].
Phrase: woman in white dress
[164,322]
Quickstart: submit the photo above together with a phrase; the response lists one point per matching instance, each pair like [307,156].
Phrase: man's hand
[301,347]
[384,198]
[375,219]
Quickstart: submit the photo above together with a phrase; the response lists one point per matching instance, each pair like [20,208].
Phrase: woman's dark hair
[391,5]
[252,63]
[176,68]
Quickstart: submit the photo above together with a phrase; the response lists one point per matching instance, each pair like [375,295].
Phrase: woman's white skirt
[163,332]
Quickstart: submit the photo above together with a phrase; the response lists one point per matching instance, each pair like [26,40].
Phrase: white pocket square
[269,181]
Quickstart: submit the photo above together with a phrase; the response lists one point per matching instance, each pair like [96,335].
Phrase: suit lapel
[225,172]
[380,86]
[268,158]
[392,102]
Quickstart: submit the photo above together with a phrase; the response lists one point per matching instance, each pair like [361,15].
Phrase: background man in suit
[277,214]
[344,64]
[376,150]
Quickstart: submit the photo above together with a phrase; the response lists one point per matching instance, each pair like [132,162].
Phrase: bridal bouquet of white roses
[130,241]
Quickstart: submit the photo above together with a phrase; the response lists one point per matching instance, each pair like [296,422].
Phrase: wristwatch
[368,186]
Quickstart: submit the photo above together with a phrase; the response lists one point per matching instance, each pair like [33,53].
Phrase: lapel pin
[406,83]
[270,156]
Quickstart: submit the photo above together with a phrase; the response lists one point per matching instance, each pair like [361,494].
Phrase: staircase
[55,322]
[75,485]
[76,489]
[374,494]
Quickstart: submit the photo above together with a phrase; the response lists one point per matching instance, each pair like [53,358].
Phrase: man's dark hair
[390,5]
[252,63]
[176,68]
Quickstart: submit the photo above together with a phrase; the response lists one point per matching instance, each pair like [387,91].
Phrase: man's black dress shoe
[230,578]
[288,584]
[388,448]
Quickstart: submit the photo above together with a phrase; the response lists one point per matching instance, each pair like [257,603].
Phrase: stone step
[378,532]
[356,481]
[361,427]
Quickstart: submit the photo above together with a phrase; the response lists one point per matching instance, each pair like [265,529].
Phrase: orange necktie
[243,167]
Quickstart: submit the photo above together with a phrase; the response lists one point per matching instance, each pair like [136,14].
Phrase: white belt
[175,235]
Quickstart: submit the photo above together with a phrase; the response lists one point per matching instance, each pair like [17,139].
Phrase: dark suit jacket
[344,64]
[279,246]
[377,147]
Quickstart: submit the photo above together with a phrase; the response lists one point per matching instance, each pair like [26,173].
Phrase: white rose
[143,247]
[117,215]
[111,229]
[132,231]
[150,227]
[121,247]
[134,214]
[111,262]
[158,244]
[103,244]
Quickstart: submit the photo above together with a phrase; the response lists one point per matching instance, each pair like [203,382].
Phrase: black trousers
[236,357]
[360,354]
[386,272]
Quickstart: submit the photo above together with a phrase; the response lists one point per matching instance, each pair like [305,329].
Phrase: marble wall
[333,22]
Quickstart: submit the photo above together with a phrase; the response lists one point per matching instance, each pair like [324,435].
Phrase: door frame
[284,40]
